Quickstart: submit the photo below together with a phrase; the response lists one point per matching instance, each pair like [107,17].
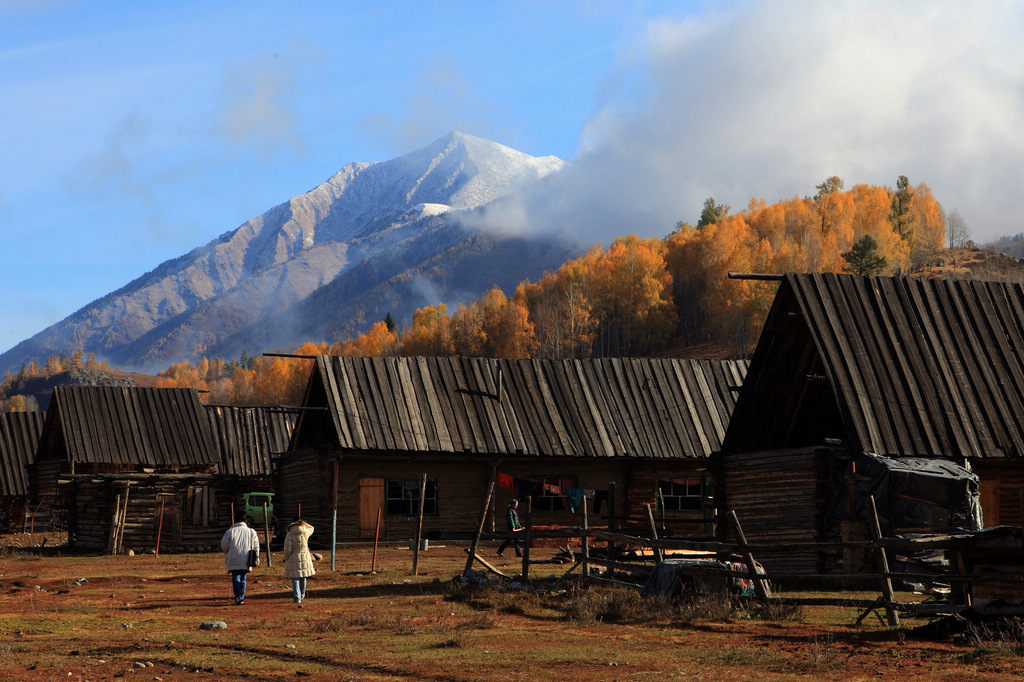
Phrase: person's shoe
[239,601]
[499,553]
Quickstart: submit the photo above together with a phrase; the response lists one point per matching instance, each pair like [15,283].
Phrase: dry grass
[391,625]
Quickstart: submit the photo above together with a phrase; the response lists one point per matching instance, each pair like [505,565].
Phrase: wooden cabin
[127,453]
[896,367]
[19,438]
[625,432]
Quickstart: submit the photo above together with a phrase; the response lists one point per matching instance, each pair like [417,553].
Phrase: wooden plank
[514,408]
[591,406]
[408,406]
[436,411]
[916,370]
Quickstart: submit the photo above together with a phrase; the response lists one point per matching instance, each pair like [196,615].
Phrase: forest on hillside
[636,297]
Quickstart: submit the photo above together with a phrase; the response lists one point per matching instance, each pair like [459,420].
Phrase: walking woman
[298,562]
[238,541]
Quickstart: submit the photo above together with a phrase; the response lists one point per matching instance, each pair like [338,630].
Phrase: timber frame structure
[542,430]
[19,439]
[899,367]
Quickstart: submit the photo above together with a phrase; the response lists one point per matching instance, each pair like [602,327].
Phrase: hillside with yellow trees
[639,296]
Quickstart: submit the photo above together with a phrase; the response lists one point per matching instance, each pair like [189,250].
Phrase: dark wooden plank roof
[247,438]
[895,366]
[128,427]
[19,439]
[648,408]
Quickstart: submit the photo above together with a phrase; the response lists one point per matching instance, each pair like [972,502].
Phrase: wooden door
[371,499]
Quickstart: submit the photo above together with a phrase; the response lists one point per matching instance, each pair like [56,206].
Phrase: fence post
[266,534]
[759,585]
[658,556]
[883,561]
[419,526]
[479,529]
[526,538]
[585,539]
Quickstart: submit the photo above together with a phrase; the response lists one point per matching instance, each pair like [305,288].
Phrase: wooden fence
[594,566]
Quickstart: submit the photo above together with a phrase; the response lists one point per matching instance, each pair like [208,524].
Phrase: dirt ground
[87,617]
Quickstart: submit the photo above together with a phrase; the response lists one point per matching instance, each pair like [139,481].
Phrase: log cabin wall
[46,496]
[1001,481]
[779,496]
[690,516]
[196,511]
[458,486]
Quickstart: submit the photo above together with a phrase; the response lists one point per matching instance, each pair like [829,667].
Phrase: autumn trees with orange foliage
[635,297]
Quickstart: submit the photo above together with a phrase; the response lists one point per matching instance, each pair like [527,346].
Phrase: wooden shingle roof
[19,438]
[649,408]
[128,427]
[248,437]
[895,366]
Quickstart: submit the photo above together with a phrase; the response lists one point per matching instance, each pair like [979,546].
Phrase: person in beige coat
[298,562]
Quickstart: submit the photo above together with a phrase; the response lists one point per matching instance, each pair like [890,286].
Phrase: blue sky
[132,132]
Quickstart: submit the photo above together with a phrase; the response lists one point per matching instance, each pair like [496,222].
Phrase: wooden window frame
[675,495]
[547,502]
[396,497]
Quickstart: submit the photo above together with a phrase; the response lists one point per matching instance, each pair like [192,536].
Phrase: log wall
[779,497]
[1001,482]
[196,511]
[307,479]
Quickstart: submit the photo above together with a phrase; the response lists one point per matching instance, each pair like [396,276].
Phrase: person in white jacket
[298,562]
[236,544]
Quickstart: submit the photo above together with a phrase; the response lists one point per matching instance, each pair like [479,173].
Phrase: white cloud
[260,107]
[768,100]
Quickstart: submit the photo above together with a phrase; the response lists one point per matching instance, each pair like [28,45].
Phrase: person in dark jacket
[513,526]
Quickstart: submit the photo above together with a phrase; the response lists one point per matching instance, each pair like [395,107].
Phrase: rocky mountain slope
[374,238]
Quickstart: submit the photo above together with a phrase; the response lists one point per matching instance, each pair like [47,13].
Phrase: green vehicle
[254,504]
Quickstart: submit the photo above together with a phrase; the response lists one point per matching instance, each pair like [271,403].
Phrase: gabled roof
[19,438]
[248,437]
[894,366]
[128,427]
[650,408]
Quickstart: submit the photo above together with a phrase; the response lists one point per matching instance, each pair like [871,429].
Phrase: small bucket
[424,544]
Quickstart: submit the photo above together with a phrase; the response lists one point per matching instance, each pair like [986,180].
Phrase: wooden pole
[526,538]
[232,513]
[658,556]
[113,524]
[612,524]
[883,561]
[479,529]
[419,526]
[759,585]
[376,537]
[36,511]
[334,519]
[160,527]
[486,564]
[584,539]
[661,504]
[266,531]
[124,520]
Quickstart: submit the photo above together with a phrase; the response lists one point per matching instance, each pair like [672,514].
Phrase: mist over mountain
[374,238]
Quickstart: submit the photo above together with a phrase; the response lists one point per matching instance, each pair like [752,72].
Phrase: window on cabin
[550,493]
[403,497]
[680,494]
